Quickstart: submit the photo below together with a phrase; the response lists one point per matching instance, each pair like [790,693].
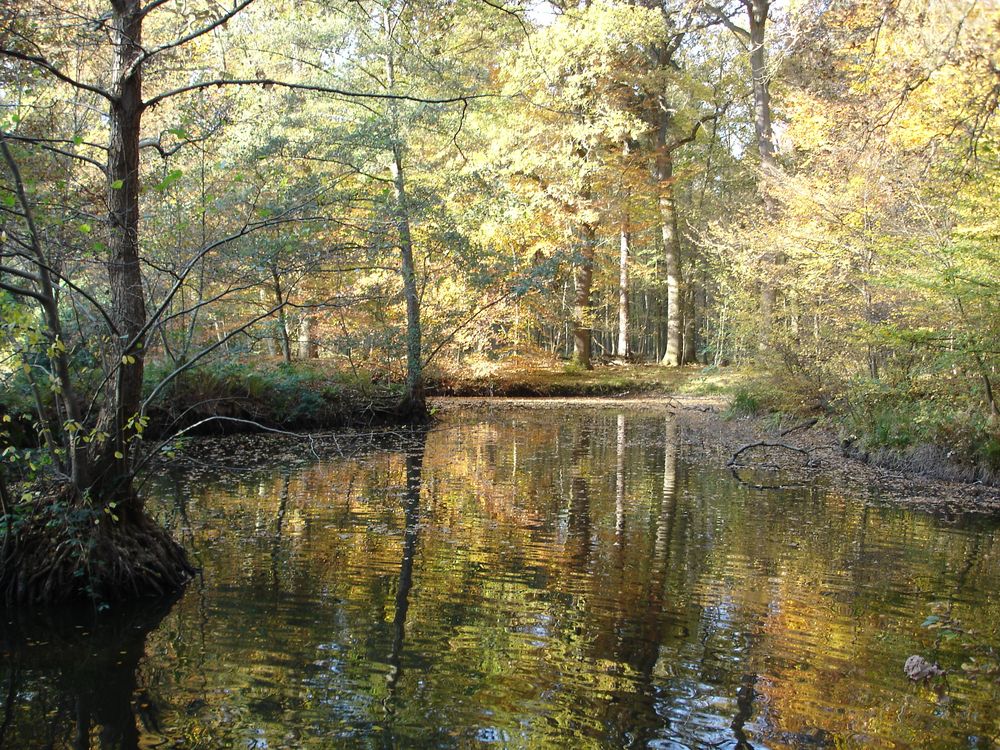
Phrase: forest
[333,208]
[283,286]
[302,215]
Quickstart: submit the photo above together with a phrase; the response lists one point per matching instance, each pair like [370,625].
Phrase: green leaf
[117,184]
[172,176]
[86,228]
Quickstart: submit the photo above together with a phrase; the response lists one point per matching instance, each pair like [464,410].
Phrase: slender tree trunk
[414,397]
[688,354]
[414,366]
[671,250]
[622,349]
[582,308]
[270,340]
[282,321]
[308,347]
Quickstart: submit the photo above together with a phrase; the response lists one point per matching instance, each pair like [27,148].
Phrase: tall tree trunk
[622,348]
[282,321]
[414,366]
[757,11]
[112,471]
[308,347]
[582,283]
[414,402]
[688,352]
[671,248]
[127,553]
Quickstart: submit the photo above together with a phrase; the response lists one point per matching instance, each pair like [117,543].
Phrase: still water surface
[527,579]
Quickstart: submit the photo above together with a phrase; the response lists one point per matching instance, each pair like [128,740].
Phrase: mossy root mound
[64,552]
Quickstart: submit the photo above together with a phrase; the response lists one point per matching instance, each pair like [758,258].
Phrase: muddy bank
[706,434]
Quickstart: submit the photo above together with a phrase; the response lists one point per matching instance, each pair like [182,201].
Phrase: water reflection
[533,579]
[411,530]
[80,687]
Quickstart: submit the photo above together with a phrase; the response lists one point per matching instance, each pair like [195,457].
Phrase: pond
[526,578]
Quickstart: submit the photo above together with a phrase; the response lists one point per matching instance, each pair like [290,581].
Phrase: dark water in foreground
[532,579]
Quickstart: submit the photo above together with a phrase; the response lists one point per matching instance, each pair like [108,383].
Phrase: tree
[754,40]
[120,550]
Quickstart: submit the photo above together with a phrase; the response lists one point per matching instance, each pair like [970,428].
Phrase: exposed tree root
[412,411]
[66,550]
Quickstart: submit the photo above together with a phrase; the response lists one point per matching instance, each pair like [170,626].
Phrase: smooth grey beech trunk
[623,254]
[664,174]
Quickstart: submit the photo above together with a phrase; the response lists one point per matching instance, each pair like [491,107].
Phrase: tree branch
[21,292]
[43,64]
[269,82]
[180,41]
[727,20]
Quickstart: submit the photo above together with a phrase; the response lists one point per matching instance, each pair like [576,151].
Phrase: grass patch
[921,429]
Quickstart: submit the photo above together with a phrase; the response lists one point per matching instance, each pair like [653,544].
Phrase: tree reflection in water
[88,663]
[411,513]
[534,579]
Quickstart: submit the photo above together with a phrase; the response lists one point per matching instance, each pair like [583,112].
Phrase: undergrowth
[928,425]
[229,397]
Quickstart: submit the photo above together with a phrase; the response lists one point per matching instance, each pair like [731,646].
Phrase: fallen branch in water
[735,466]
[766,444]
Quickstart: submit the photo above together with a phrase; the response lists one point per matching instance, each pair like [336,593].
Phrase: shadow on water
[73,674]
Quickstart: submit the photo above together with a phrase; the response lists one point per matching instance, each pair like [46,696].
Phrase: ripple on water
[538,580]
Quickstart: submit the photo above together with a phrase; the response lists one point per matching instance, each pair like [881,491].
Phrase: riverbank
[538,378]
[708,431]
[935,435]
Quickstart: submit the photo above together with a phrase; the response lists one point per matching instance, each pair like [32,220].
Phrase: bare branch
[475,314]
[20,274]
[151,6]
[205,352]
[726,19]
[180,41]
[46,145]
[21,292]
[42,64]
[269,82]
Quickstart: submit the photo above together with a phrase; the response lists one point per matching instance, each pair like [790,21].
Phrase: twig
[803,426]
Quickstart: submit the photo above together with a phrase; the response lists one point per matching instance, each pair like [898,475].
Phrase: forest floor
[806,448]
[619,379]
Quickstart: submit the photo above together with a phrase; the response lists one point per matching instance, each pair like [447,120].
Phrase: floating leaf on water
[918,668]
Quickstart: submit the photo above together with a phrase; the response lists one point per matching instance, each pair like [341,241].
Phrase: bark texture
[623,259]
